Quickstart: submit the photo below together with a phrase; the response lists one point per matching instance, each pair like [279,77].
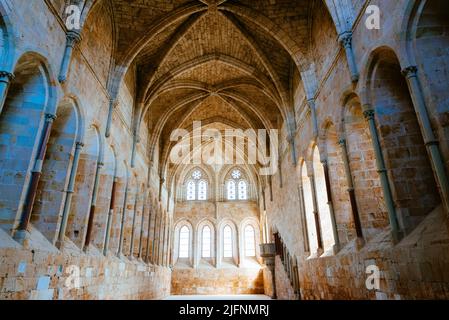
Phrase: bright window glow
[184,242]
[231,190]
[227,242]
[206,242]
[196,175]
[236,174]
[242,190]
[250,242]
[202,190]
[191,194]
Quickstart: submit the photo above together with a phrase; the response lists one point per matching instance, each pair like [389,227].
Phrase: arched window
[206,242]
[184,242]
[243,194]
[191,192]
[237,187]
[202,190]
[250,241]
[196,188]
[227,242]
[231,190]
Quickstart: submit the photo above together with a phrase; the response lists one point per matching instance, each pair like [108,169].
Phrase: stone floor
[221,297]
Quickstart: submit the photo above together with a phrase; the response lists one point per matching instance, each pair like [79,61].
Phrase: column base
[336,249]
[23,238]
[359,243]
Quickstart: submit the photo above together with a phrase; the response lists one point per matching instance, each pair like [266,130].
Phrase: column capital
[410,72]
[73,37]
[369,114]
[113,102]
[6,76]
[345,38]
[342,141]
[49,117]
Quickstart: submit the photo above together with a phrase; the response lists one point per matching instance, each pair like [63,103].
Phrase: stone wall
[44,273]
[225,281]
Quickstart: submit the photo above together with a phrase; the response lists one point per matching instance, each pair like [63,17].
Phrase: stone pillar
[312,106]
[131,247]
[166,227]
[144,209]
[136,140]
[36,174]
[69,195]
[330,203]
[122,225]
[73,37]
[112,105]
[381,169]
[345,39]
[150,217]
[268,254]
[305,231]
[351,191]
[431,142]
[5,81]
[161,240]
[316,214]
[110,216]
[153,250]
[93,206]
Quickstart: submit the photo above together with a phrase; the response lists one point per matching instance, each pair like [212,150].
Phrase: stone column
[69,195]
[93,206]
[131,247]
[153,249]
[160,240]
[112,105]
[345,39]
[36,174]
[122,225]
[268,254]
[381,169]
[136,140]
[312,106]
[330,203]
[147,251]
[110,216]
[351,191]
[5,81]
[316,214]
[305,231]
[144,209]
[73,37]
[431,142]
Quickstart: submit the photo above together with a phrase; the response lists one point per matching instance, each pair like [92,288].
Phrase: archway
[21,122]
[50,195]
[322,201]
[362,162]
[79,211]
[308,205]
[431,44]
[413,185]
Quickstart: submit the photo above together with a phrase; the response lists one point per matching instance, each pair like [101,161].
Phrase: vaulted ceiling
[222,61]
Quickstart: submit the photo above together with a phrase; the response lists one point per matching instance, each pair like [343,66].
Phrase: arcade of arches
[88,188]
